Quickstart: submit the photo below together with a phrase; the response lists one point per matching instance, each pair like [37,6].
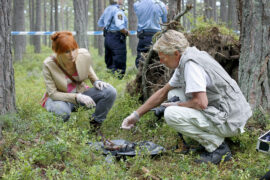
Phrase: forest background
[38,145]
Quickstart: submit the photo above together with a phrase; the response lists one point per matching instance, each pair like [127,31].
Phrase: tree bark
[37,27]
[51,21]
[254,65]
[45,22]
[7,87]
[172,9]
[62,10]
[32,22]
[132,25]
[223,10]
[100,5]
[56,20]
[19,42]
[95,20]
[81,22]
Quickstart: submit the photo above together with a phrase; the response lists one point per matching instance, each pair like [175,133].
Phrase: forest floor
[38,145]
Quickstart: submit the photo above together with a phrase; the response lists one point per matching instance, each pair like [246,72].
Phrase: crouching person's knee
[64,113]
[111,93]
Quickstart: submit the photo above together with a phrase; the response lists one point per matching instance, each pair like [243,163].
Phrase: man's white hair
[170,42]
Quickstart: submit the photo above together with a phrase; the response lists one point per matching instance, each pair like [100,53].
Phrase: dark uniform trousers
[145,41]
[116,52]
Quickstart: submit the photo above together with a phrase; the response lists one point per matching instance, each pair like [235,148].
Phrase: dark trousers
[115,52]
[145,41]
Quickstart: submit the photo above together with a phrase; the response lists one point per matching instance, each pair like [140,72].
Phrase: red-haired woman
[64,73]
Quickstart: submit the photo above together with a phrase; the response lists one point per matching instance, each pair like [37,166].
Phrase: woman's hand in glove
[100,84]
[130,121]
[87,100]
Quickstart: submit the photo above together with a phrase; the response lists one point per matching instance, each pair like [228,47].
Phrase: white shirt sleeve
[195,77]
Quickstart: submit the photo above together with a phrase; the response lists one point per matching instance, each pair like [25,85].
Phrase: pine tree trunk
[32,22]
[51,21]
[7,87]
[95,20]
[62,15]
[100,5]
[132,25]
[67,17]
[37,27]
[81,22]
[254,65]
[172,9]
[19,42]
[56,15]
[45,22]
[223,10]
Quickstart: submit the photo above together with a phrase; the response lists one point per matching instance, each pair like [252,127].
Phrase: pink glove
[130,121]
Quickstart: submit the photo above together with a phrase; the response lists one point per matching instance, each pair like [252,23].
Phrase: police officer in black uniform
[114,22]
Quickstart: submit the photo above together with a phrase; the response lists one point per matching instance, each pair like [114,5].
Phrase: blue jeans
[104,100]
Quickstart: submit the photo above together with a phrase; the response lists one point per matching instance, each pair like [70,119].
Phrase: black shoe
[216,156]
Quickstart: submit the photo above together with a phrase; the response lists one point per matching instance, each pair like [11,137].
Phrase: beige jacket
[56,83]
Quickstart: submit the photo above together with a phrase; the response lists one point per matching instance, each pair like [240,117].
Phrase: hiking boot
[216,156]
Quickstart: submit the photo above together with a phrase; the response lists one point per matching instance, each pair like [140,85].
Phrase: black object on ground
[122,147]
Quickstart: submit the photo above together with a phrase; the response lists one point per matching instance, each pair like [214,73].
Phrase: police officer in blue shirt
[114,22]
[149,14]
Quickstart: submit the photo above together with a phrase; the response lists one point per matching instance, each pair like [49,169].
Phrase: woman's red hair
[63,41]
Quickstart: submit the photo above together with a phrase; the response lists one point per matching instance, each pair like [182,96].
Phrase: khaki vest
[226,103]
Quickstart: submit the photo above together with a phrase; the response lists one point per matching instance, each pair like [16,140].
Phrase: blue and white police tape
[51,32]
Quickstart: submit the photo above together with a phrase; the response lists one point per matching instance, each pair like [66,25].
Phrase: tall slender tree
[51,20]
[132,25]
[45,21]
[223,10]
[56,20]
[254,63]
[81,22]
[18,21]
[95,20]
[100,5]
[37,27]
[7,87]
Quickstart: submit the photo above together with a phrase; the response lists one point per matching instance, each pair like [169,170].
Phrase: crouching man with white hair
[211,105]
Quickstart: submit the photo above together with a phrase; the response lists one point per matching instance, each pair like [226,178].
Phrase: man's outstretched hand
[130,121]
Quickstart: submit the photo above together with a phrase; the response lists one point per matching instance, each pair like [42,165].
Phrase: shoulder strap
[110,23]
[64,71]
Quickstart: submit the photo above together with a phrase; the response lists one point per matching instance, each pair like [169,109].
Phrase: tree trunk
[254,65]
[45,22]
[7,87]
[56,15]
[172,9]
[81,22]
[67,17]
[95,20]
[51,21]
[19,42]
[32,22]
[132,25]
[194,11]
[213,10]
[223,10]
[207,15]
[184,17]
[37,27]
[100,5]
[62,14]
